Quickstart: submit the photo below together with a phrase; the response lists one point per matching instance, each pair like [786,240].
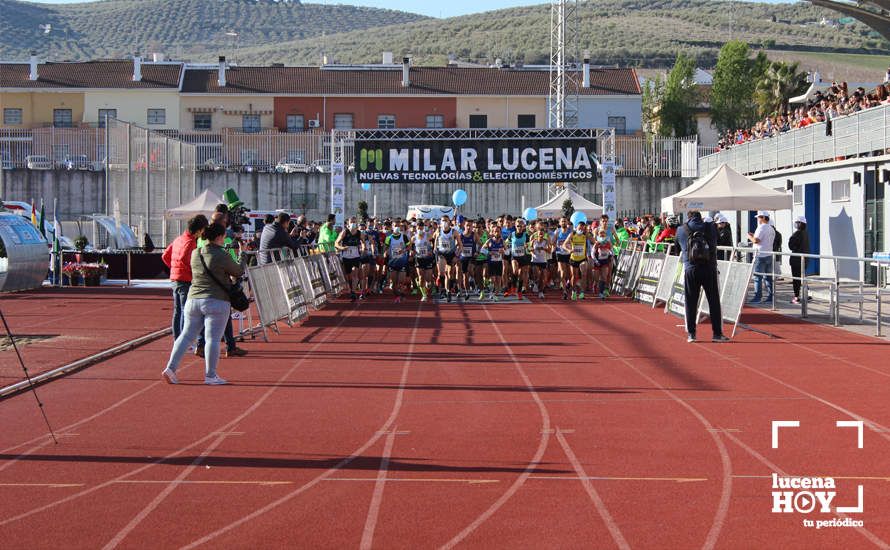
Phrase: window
[478,121]
[386,121]
[303,201]
[525,121]
[840,191]
[156,116]
[797,193]
[105,114]
[619,123]
[12,116]
[62,118]
[343,121]
[295,123]
[203,121]
[435,121]
[250,124]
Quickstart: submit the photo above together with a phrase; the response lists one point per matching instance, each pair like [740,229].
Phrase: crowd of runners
[489,259]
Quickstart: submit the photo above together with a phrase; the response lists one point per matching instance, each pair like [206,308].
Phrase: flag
[57,229]
[33,214]
[42,219]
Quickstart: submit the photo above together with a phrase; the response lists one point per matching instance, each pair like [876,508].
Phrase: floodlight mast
[563,97]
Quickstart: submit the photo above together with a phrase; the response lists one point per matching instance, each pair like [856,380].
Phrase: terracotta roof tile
[424,81]
[90,74]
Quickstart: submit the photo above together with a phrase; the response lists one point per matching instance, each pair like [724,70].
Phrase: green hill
[641,33]
[180,28]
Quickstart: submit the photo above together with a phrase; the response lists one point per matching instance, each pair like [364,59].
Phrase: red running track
[553,424]
[76,322]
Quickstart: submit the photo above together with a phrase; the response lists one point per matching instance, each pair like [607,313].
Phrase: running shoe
[398,300]
[448,297]
[481,295]
[352,296]
[581,295]
[565,294]
[414,291]
[602,296]
[719,339]
[361,295]
[423,298]
[215,381]
[574,295]
[494,297]
[541,295]
[170,376]
[236,352]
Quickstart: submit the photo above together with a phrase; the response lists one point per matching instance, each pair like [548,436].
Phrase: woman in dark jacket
[798,243]
[207,307]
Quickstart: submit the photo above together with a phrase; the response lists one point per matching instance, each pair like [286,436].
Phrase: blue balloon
[459,197]
[530,214]
[578,217]
[366,186]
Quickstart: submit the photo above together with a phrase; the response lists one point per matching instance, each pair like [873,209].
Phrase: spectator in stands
[178,258]
[762,242]
[798,243]
[276,236]
[208,305]
[327,235]
[698,247]
[724,235]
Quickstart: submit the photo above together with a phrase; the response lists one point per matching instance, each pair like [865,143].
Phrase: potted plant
[80,243]
[92,273]
[71,271]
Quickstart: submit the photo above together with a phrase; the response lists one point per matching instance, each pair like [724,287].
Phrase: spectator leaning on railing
[837,101]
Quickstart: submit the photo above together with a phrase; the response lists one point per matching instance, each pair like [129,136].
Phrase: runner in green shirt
[327,235]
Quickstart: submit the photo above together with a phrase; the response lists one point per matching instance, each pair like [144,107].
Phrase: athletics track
[543,425]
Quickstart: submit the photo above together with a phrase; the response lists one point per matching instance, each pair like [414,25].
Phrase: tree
[680,97]
[780,82]
[362,210]
[653,97]
[568,208]
[732,93]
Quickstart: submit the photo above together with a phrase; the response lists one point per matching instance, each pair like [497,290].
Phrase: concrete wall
[84,192]
[78,192]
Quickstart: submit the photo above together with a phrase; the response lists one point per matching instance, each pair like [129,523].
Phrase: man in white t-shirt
[762,244]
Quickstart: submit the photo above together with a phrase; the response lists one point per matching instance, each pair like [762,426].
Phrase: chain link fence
[148,173]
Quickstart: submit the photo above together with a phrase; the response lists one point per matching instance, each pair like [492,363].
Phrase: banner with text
[482,161]
[609,189]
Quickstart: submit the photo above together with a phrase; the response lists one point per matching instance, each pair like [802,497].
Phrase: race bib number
[518,249]
[351,252]
[423,249]
[578,250]
[466,252]
[497,255]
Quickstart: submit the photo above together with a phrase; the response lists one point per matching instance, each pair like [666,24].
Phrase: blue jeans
[180,294]
[228,335]
[763,265]
[209,314]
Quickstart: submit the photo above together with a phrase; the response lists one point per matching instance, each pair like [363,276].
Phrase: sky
[449,8]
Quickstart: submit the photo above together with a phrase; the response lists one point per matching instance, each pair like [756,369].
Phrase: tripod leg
[28,376]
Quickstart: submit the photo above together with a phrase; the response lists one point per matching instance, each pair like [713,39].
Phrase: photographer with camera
[274,236]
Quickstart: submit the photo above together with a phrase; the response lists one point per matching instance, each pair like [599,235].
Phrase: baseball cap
[762,214]
[707,219]
[800,219]
[720,218]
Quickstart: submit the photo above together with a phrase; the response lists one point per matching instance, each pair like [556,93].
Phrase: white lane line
[377,498]
[160,460]
[397,406]
[591,492]
[536,459]
[726,485]
[874,539]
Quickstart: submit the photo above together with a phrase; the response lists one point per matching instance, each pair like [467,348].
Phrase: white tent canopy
[553,207]
[205,203]
[726,189]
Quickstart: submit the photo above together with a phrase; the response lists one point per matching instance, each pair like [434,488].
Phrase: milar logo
[368,157]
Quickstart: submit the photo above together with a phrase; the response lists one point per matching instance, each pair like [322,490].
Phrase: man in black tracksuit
[700,276]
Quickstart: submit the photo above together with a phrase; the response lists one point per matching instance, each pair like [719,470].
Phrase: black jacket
[697,224]
[274,236]
[724,236]
[799,243]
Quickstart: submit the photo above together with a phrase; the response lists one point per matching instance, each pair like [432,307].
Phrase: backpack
[777,241]
[698,250]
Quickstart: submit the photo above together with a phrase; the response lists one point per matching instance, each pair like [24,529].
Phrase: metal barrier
[838,290]
[858,134]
